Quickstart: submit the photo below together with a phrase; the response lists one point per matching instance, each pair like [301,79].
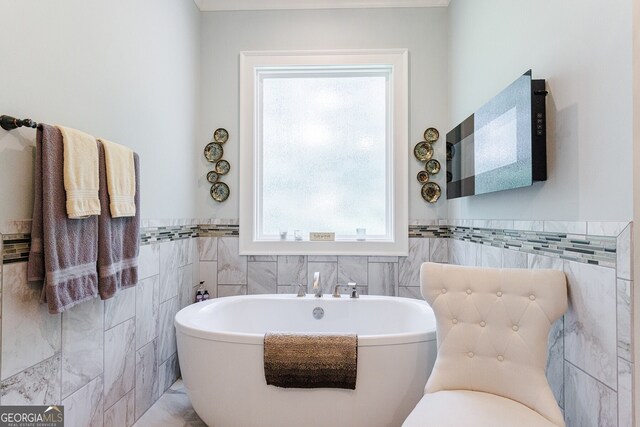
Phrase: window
[323,148]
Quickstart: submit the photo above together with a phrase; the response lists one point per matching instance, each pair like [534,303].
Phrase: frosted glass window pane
[324,154]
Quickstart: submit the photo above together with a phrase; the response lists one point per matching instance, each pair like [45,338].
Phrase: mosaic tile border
[150,235]
[15,247]
[429,231]
[219,230]
[596,250]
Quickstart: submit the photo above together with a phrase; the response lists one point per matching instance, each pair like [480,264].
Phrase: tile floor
[173,409]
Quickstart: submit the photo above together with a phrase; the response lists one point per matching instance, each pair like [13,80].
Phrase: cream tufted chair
[492,327]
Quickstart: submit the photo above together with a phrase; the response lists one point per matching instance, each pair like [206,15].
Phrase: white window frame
[251,64]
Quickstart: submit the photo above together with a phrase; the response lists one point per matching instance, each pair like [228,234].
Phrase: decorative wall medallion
[432,166]
[431,135]
[431,192]
[212,176]
[220,135]
[213,152]
[222,167]
[423,151]
[219,191]
[423,177]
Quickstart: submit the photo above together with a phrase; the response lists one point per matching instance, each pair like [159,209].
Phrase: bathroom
[161,76]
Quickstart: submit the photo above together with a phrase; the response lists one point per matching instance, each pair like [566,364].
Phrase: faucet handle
[336,291]
[354,290]
[301,291]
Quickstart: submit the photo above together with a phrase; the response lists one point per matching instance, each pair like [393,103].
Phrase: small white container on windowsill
[361,234]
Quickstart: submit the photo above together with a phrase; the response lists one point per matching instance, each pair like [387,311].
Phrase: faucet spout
[316,284]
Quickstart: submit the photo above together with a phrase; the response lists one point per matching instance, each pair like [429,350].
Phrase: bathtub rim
[370,340]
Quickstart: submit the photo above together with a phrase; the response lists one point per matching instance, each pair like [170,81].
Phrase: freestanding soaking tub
[220,346]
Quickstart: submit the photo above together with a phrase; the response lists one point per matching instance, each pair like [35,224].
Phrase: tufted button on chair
[490,369]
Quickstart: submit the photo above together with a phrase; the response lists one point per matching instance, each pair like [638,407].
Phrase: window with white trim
[323,148]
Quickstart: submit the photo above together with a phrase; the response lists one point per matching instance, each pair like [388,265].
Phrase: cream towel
[121,179]
[80,165]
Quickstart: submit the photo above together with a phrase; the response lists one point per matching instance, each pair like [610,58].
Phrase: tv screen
[502,145]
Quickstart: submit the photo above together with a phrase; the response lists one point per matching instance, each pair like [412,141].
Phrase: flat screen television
[502,145]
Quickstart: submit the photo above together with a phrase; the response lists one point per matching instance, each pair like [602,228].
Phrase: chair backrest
[492,327]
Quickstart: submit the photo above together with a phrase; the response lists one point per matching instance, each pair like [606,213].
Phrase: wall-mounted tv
[502,145]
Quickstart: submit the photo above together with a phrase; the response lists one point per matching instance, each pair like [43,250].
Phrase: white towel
[80,169]
[121,179]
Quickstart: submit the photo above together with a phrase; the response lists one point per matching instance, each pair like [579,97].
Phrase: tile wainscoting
[590,349]
[108,361]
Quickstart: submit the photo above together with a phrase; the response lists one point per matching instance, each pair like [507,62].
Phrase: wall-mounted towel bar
[10,123]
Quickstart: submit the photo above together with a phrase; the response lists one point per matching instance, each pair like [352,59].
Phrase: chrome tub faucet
[352,287]
[316,284]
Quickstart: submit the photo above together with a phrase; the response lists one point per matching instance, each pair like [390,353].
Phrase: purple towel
[118,238]
[63,251]
[35,266]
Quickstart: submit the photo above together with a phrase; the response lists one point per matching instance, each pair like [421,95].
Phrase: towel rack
[10,123]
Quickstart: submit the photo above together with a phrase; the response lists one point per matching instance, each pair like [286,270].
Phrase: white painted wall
[583,49]
[124,70]
[130,71]
[225,34]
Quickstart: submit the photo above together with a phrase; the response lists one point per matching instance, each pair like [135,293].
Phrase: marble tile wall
[110,361]
[106,361]
[226,273]
[590,362]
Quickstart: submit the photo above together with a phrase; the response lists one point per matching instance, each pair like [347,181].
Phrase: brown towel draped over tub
[311,360]
[63,251]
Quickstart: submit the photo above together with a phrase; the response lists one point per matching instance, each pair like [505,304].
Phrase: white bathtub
[220,346]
